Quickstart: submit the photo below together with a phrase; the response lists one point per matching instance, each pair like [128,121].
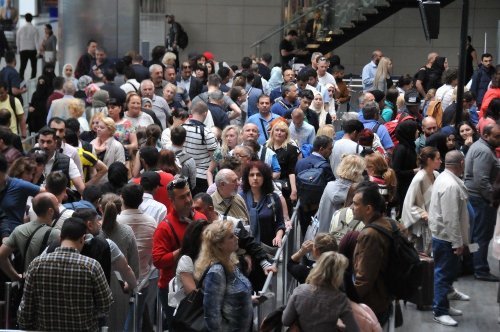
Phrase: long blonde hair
[224,147]
[328,271]
[382,72]
[278,125]
[211,252]
[351,168]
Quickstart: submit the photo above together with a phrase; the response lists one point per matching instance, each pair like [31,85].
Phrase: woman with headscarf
[37,111]
[69,74]
[404,159]
[318,105]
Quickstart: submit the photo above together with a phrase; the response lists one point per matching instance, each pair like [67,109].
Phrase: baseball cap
[412,97]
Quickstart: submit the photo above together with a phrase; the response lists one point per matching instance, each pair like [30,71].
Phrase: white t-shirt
[341,147]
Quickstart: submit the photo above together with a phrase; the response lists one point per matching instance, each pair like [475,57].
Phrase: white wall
[401,37]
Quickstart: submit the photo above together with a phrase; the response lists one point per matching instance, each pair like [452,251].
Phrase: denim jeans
[446,265]
[482,229]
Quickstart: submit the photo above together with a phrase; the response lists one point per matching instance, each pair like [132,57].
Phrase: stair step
[359,18]
[369,10]
[383,4]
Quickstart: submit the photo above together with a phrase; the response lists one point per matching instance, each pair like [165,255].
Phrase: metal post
[8,286]
[159,312]
[461,66]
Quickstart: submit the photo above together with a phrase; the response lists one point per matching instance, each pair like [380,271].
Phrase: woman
[322,243]
[48,48]
[125,132]
[467,136]
[37,110]
[436,72]
[169,92]
[264,206]
[350,171]
[230,139]
[210,67]
[491,115]
[390,107]
[178,118]
[23,168]
[68,74]
[201,73]
[382,80]
[417,201]
[307,304]
[90,135]
[404,159]
[287,154]
[134,111]
[152,136]
[492,93]
[109,207]
[227,302]
[445,92]
[379,172]
[105,147]
[318,106]
[238,94]
[76,110]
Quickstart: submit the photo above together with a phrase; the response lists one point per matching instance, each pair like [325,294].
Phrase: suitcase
[425,294]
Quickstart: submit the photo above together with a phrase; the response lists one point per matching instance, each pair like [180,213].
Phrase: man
[57,161]
[131,84]
[168,236]
[422,77]
[311,117]
[369,70]
[160,105]
[264,63]
[348,144]
[38,232]
[225,77]
[287,48]
[314,85]
[219,116]
[59,107]
[482,78]
[141,72]
[27,39]
[45,304]
[84,64]
[58,93]
[200,144]
[6,148]
[253,90]
[18,121]
[189,83]
[188,165]
[226,200]
[301,131]
[448,222]
[371,113]
[150,181]
[59,127]
[325,77]
[288,77]
[481,170]
[56,184]
[181,95]
[100,64]
[156,76]
[313,26]
[284,105]
[109,85]
[429,127]
[263,119]
[11,78]
[372,251]
[173,36]
[322,149]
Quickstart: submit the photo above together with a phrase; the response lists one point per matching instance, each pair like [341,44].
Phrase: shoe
[487,277]
[445,320]
[455,295]
[454,312]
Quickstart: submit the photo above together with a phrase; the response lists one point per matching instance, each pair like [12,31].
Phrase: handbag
[189,316]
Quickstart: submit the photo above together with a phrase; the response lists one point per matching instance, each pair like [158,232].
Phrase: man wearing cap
[150,181]
[369,71]
[263,119]
[214,104]
[412,103]
[167,239]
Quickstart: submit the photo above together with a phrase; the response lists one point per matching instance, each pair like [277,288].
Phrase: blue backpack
[311,183]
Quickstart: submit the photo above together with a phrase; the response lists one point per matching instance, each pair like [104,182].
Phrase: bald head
[250,132]
[297,117]
[454,160]
[45,205]
[429,126]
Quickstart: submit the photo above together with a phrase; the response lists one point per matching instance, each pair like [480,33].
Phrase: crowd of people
[195,169]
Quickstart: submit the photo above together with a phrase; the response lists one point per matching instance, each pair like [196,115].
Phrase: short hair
[56,183]
[69,88]
[28,17]
[338,68]
[199,108]
[223,72]
[178,135]
[85,214]
[57,120]
[370,110]
[321,141]
[351,167]
[230,162]
[486,55]
[6,136]
[214,80]
[267,57]
[4,165]
[109,74]
[286,88]
[132,195]
[41,204]
[304,75]
[10,57]
[488,129]
[308,94]
[292,33]
[5,117]
[91,41]
[454,157]
[73,124]
[450,75]
[46,130]
[58,82]
[326,242]
[92,193]
[370,195]
[128,72]
[246,62]
[150,155]
[70,137]
[221,176]
[154,67]
[205,198]
[73,229]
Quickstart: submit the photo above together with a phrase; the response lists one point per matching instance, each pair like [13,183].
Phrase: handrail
[269,35]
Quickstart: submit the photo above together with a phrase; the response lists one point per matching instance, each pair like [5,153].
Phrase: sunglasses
[186,67]
[177,183]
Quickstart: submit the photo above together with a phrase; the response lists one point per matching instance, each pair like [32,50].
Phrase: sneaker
[454,312]
[445,320]
[455,295]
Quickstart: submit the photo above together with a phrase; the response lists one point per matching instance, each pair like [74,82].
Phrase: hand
[458,251]
[468,141]
[288,224]
[31,109]
[293,196]
[306,246]
[424,216]
[334,117]
[415,170]
[271,268]
[277,241]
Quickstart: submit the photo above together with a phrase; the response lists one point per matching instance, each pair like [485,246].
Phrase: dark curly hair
[267,174]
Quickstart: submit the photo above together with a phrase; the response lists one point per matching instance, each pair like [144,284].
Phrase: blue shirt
[276,93]
[263,125]
[368,75]
[383,134]
[283,108]
[302,134]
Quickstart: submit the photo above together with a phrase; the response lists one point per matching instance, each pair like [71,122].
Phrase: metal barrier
[134,299]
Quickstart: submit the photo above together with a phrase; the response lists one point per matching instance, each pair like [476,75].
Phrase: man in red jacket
[168,236]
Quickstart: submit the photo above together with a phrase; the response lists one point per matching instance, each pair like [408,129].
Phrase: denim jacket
[227,300]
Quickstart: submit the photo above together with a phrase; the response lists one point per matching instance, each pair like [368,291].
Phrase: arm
[125,270]
[133,256]
[365,75]
[235,111]
[210,173]
[279,222]
[420,87]
[78,183]
[347,316]
[22,123]
[188,282]
[27,309]
[6,265]
[214,289]
[164,255]
[275,165]
[18,91]
[293,187]
[136,169]
[132,146]
[452,214]
[101,170]
[367,262]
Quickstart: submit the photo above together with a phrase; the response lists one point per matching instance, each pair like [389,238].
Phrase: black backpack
[404,271]
[311,183]
[182,37]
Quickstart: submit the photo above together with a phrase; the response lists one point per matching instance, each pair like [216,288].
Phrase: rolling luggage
[425,293]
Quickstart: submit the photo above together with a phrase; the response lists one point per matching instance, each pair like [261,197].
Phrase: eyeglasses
[237,155]
[177,183]
[186,67]
[322,59]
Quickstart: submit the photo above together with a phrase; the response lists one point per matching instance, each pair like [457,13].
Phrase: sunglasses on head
[177,183]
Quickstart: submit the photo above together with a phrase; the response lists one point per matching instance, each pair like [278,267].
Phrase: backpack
[391,126]
[435,109]
[311,232]
[339,226]
[311,183]
[404,272]
[182,37]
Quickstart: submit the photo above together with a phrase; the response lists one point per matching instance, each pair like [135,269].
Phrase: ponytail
[111,206]
[390,179]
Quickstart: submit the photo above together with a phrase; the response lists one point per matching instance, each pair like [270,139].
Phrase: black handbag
[189,316]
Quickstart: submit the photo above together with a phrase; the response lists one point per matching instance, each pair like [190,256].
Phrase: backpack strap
[60,215]
[384,231]
[133,86]
[28,242]
[263,154]
[319,163]
[375,128]
[224,216]
[263,128]
[175,234]
[45,240]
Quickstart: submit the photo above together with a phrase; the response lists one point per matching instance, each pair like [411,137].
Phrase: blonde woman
[382,80]
[350,171]
[326,130]
[105,146]
[230,139]
[306,306]
[227,299]
[76,109]
[287,154]
[318,106]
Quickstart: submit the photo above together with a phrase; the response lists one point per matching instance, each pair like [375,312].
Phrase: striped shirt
[200,144]
[64,291]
